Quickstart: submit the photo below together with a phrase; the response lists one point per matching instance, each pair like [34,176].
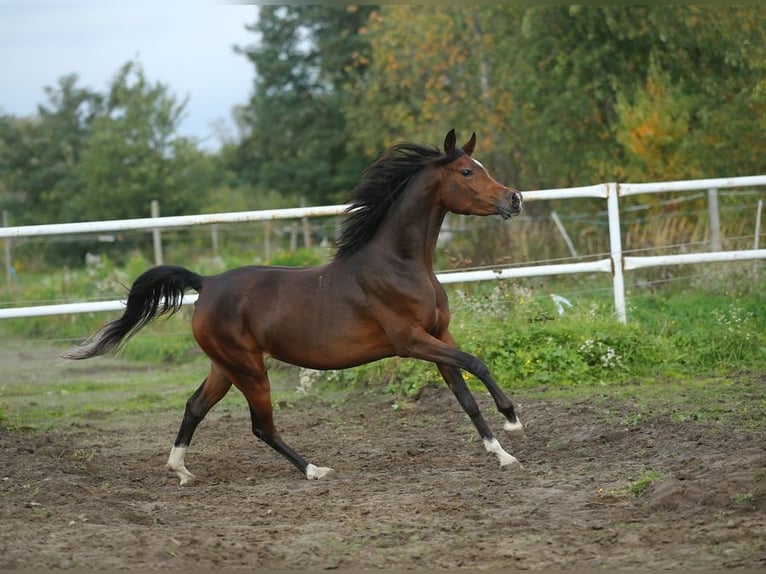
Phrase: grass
[744,498]
[693,351]
[47,393]
[638,486]
[633,489]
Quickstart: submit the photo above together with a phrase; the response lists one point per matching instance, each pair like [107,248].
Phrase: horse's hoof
[184,475]
[511,464]
[188,479]
[515,429]
[317,472]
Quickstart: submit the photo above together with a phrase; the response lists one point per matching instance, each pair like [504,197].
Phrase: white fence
[615,264]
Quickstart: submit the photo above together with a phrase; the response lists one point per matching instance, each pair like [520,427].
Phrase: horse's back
[254,289]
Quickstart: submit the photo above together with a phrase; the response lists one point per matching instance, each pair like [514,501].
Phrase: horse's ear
[449,142]
[470,144]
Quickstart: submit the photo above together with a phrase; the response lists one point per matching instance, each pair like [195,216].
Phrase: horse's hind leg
[455,382]
[212,390]
[256,389]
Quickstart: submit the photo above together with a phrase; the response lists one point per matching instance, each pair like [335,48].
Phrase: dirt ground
[415,489]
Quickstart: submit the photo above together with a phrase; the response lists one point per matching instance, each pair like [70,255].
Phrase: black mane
[382,183]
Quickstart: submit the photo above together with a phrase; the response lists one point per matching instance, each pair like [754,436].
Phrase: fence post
[157,235]
[214,238]
[7,249]
[306,226]
[267,241]
[615,247]
[293,237]
[715,219]
[757,235]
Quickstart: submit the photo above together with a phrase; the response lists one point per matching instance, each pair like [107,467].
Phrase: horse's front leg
[457,385]
[512,424]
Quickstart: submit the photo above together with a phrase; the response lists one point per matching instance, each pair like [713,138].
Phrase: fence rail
[616,264]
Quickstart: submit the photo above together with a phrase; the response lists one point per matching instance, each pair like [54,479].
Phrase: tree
[133,155]
[94,156]
[556,90]
[296,141]
[701,103]
[38,155]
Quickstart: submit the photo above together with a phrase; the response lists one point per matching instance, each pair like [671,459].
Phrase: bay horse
[378,297]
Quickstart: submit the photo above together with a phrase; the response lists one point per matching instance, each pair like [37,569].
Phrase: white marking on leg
[515,428]
[176,464]
[317,472]
[493,446]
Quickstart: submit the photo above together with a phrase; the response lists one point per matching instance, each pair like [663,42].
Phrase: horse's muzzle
[510,205]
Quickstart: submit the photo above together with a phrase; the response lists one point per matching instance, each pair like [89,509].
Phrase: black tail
[157,291]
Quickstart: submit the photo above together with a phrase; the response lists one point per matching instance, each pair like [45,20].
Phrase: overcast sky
[185,44]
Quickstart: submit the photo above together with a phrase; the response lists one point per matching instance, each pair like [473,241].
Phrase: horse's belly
[330,348]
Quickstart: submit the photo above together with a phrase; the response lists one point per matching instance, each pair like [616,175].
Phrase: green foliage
[89,155]
[133,156]
[303,257]
[295,141]
[164,340]
[95,156]
[525,342]
[559,95]
[731,327]
[38,156]
[394,375]
[516,331]
[571,95]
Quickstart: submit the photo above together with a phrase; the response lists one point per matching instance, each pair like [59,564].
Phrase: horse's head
[469,189]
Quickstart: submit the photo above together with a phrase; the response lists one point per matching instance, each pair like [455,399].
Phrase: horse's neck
[411,229]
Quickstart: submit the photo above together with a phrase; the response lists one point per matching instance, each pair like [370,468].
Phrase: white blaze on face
[479,164]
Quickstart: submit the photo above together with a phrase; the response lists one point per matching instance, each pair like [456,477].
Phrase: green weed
[639,486]
[744,498]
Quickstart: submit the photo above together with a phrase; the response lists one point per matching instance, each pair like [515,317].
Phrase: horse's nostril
[516,201]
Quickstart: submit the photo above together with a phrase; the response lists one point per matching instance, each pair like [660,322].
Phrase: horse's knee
[479,369]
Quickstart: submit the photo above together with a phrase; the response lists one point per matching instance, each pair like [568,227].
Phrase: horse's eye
[465,172]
